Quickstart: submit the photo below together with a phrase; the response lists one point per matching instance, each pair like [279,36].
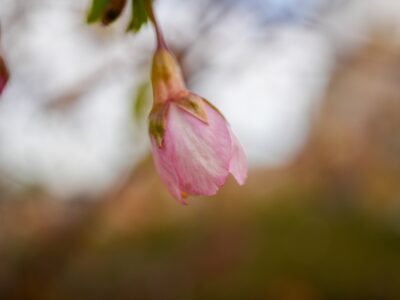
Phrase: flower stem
[159,35]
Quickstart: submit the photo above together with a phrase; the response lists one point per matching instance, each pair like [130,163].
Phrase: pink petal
[165,169]
[238,166]
[197,154]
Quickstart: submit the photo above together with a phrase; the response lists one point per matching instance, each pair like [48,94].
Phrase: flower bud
[193,146]
[166,76]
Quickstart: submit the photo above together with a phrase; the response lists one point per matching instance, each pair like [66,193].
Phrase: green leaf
[97,10]
[106,11]
[141,103]
[113,11]
[139,15]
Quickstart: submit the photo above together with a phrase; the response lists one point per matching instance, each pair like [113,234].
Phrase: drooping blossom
[193,146]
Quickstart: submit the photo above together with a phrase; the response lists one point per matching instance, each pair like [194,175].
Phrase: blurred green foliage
[97,10]
[299,247]
[141,103]
[139,15]
[107,11]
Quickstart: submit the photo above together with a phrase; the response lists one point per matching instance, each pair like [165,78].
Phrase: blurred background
[311,88]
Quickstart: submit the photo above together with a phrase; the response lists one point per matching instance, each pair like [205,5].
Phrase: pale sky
[267,77]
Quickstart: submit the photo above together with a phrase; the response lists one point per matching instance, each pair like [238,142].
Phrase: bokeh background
[312,89]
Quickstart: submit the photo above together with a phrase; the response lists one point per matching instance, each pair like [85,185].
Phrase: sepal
[194,105]
[213,107]
[157,123]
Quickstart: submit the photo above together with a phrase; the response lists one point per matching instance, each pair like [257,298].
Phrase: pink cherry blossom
[193,146]
[196,156]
